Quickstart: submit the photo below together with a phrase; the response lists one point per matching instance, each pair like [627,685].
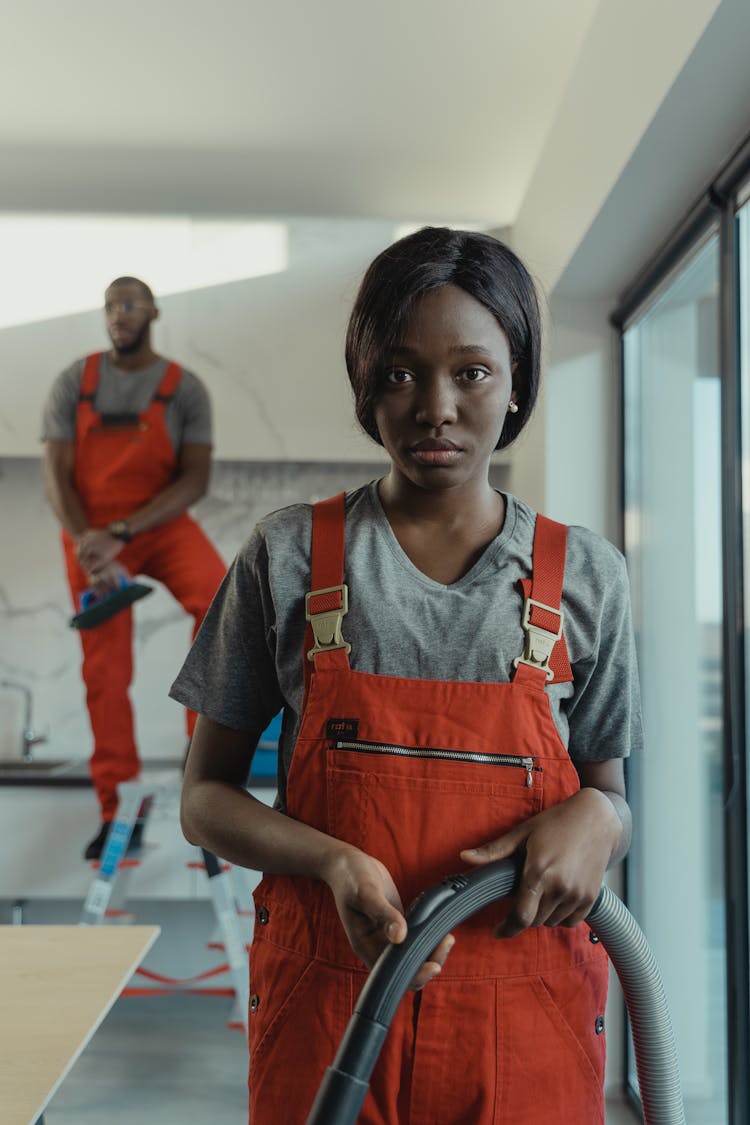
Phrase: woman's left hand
[567,849]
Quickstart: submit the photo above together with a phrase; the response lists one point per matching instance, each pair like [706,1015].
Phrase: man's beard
[136,342]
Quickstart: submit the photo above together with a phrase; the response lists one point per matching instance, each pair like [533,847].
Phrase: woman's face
[445,392]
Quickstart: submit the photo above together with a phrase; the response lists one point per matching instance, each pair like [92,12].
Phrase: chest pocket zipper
[476,758]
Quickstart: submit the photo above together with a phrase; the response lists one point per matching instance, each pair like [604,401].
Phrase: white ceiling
[704,116]
[425,109]
[564,121]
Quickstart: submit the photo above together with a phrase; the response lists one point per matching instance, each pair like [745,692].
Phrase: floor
[173,1059]
[169,1060]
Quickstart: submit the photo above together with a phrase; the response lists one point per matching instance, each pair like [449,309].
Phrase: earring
[513,407]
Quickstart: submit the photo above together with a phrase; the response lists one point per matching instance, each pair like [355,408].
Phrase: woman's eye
[398,376]
[475,374]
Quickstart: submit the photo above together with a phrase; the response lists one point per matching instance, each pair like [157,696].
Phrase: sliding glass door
[673,530]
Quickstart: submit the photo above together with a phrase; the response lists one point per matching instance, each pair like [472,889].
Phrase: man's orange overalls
[120,464]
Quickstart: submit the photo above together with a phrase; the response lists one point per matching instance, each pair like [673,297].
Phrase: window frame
[718,206]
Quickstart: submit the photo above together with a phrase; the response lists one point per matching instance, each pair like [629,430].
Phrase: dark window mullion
[735,757]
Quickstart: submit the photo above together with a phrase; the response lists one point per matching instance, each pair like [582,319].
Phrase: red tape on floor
[188,980]
[171,991]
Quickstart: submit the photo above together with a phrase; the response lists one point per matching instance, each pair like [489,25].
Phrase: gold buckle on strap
[538,642]
[326,626]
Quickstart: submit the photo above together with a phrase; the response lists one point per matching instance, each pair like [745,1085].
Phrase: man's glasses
[126,307]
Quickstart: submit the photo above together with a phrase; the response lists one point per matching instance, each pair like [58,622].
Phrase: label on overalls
[337,729]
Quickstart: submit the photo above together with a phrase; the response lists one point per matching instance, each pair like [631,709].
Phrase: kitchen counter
[74,772]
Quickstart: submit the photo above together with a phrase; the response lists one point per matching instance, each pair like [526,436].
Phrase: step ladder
[109,890]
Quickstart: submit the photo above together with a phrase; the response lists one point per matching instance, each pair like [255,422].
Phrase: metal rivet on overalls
[262,916]
[593,938]
[599,1025]
[254,1003]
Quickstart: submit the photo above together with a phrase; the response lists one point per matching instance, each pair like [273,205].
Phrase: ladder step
[114,868]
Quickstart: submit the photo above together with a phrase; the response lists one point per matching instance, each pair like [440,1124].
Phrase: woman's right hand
[371,911]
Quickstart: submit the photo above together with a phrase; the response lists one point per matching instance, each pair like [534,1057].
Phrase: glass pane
[673,542]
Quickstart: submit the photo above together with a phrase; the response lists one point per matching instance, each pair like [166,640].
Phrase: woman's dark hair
[432,257]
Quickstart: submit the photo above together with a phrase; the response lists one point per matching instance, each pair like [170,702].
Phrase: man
[127,438]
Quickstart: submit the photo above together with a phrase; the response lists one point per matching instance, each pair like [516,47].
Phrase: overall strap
[89,378]
[169,383]
[86,416]
[170,380]
[328,600]
[545,654]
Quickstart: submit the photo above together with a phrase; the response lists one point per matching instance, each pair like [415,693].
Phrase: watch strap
[120,530]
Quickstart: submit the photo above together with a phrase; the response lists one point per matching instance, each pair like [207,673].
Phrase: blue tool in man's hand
[96,610]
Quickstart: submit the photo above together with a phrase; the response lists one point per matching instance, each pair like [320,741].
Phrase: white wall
[581,475]
[270,348]
[582,431]
[38,649]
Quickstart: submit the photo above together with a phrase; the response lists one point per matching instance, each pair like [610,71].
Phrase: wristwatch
[120,530]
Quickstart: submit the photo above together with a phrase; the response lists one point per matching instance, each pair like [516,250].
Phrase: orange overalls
[120,464]
[412,772]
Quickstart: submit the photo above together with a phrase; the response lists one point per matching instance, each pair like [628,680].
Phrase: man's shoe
[136,838]
[95,847]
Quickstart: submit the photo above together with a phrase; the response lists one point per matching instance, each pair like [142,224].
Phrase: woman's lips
[433,452]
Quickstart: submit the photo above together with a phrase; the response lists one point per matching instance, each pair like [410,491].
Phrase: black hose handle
[431,916]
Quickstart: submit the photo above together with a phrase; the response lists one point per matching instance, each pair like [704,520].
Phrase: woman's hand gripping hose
[372,913]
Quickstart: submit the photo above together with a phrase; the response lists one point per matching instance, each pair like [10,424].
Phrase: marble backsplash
[38,649]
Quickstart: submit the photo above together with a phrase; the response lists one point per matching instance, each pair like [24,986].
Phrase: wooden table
[57,984]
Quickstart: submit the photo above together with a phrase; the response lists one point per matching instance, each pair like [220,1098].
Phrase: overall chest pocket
[416,808]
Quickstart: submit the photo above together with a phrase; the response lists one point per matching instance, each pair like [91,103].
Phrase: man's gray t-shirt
[246,662]
[187,415]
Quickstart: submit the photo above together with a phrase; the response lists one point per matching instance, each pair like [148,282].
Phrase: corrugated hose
[434,914]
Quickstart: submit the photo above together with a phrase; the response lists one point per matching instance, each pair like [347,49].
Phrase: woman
[468,691]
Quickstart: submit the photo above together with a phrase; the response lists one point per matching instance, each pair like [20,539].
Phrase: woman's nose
[436,402]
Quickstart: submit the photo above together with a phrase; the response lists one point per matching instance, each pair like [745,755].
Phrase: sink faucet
[29,736]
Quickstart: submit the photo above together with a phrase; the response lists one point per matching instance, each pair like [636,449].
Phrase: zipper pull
[528,762]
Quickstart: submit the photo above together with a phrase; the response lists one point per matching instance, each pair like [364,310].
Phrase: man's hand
[371,910]
[107,578]
[567,849]
[96,547]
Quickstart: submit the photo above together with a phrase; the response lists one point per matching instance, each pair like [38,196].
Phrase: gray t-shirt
[246,662]
[187,415]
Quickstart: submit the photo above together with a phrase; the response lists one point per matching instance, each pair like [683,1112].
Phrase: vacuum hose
[431,917]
